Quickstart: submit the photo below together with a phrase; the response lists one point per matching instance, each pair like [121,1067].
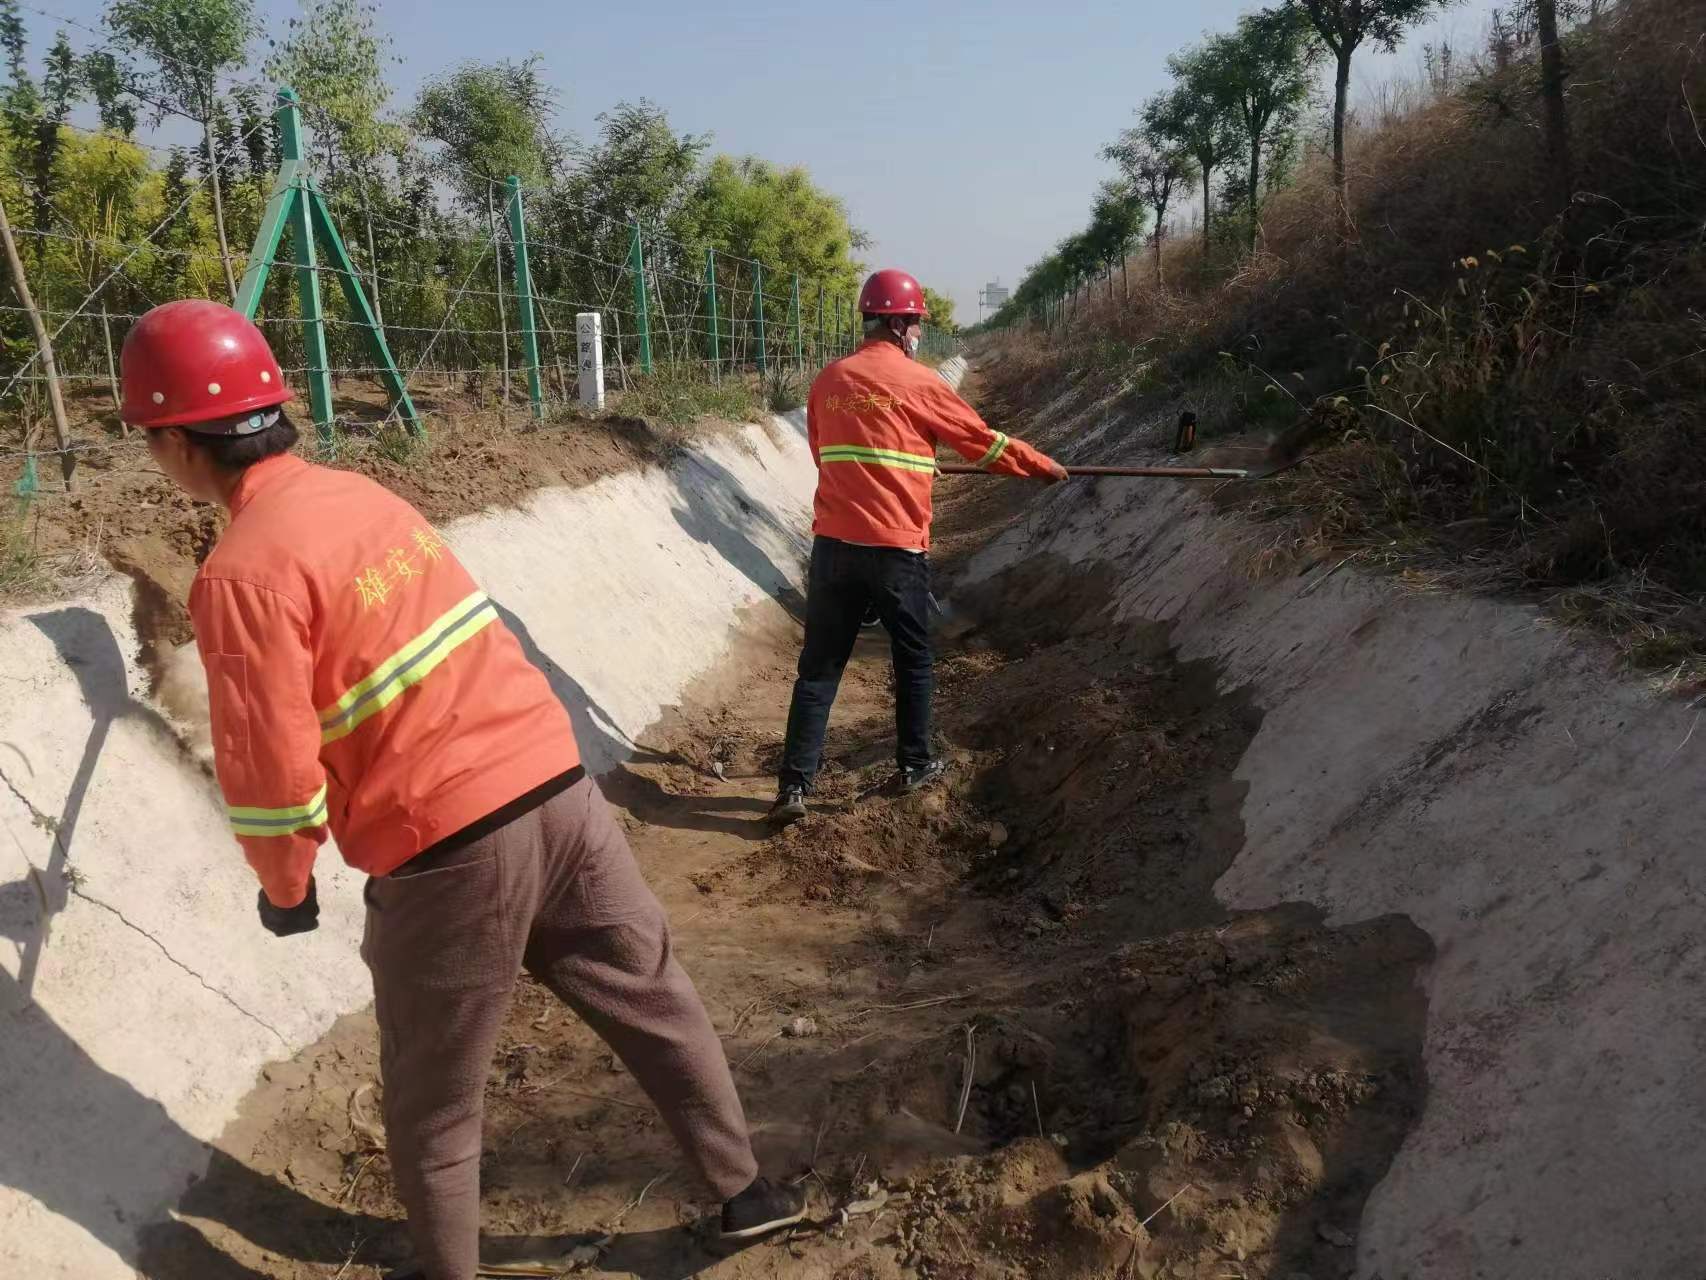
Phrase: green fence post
[758,306]
[307,269]
[642,316]
[356,298]
[711,294]
[279,205]
[524,298]
[297,206]
[794,306]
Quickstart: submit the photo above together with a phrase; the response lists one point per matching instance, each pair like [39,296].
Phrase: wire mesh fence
[461,288]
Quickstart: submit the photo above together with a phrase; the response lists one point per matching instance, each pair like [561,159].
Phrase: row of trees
[1236,111]
[418,191]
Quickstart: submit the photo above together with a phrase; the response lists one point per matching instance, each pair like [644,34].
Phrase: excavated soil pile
[123,512]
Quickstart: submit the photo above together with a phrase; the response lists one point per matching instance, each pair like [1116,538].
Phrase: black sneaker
[915,777]
[789,808]
[871,619]
[762,1208]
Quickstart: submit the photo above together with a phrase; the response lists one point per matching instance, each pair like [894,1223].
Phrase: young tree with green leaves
[335,57]
[1191,119]
[59,90]
[104,77]
[753,209]
[1155,170]
[495,120]
[19,97]
[1344,27]
[1262,70]
[1116,222]
[941,309]
[191,43]
[639,170]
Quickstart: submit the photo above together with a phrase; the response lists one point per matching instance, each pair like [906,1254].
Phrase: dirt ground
[121,511]
[1001,1029]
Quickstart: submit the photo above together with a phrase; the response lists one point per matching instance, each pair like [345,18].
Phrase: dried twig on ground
[360,1123]
[916,1004]
[761,1048]
[350,1190]
[1181,1191]
[636,1202]
[971,1068]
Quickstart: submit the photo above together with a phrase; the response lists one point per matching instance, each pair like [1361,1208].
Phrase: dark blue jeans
[845,579]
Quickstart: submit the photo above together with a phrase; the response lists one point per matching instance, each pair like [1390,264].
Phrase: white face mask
[912,345]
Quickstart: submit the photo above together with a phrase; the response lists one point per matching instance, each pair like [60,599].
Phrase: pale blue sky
[964,137]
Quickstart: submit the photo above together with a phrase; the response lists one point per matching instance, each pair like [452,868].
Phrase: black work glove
[304,917]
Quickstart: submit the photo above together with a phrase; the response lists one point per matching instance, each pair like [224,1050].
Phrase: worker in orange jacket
[874,421]
[361,683]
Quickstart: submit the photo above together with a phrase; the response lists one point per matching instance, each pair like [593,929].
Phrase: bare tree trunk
[372,255]
[1159,233]
[218,198]
[1341,93]
[112,367]
[44,344]
[1255,182]
[498,274]
[1207,173]
[1552,96]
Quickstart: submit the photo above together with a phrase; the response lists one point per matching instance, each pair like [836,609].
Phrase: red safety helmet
[196,361]
[891,292]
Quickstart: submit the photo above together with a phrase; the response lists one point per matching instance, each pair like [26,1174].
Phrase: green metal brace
[524,297]
[296,203]
[642,315]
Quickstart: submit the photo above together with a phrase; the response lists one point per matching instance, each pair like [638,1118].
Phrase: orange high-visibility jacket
[358,679]
[874,420]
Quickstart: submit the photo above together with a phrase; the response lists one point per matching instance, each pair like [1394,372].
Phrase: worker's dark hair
[237,453]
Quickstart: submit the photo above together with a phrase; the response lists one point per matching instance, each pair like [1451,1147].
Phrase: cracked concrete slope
[138,995]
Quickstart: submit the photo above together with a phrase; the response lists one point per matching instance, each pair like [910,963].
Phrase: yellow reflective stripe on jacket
[406,668]
[877,457]
[249,821]
[995,450]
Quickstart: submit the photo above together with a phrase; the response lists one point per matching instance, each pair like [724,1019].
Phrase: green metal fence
[440,307]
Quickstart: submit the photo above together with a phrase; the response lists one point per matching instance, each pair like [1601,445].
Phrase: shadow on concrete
[714,508]
[85,642]
[82,1141]
[607,751]
[602,742]
[795,418]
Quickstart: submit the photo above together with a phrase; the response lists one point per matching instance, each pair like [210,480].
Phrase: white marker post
[589,359]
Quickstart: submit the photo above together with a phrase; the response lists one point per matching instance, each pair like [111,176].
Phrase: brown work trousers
[555,891]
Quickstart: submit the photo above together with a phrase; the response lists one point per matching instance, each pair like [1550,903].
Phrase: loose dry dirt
[474,457]
[1002,1029]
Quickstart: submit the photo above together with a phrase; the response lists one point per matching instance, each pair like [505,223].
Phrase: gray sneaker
[763,1207]
[789,808]
[918,776]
